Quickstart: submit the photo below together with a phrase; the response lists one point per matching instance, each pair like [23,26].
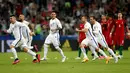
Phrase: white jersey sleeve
[96,29]
[59,24]
[10,28]
[20,24]
[26,22]
[87,25]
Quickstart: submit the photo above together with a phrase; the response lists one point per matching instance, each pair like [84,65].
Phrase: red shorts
[119,39]
[81,39]
[109,40]
[105,33]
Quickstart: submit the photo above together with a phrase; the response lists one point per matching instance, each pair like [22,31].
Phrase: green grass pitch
[53,64]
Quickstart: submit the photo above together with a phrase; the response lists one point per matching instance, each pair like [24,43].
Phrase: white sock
[103,53]
[111,52]
[93,51]
[14,52]
[34,57]
[84,52]
[31,52]
[60,51]
[95,54]
[45,50]
[30,41]
[30,47]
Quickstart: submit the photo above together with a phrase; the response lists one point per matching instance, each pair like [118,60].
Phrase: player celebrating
[53,36]
[100,37]
[89,40]
[15,28]
[81,37]
[119,26]
[27,33]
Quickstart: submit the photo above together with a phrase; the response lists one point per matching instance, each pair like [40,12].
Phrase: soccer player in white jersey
[27,33]
[90,40]
[16,29]
[97,30]
[53,37]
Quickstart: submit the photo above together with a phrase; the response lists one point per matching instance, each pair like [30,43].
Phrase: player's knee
[97,49]
[11,46]
[82,45]
[57,47]
[25,49]
[45,45]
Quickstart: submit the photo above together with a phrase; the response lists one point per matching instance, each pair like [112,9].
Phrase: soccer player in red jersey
[104,25]
[81,37]
[119,26]
[107,25]
[110,39]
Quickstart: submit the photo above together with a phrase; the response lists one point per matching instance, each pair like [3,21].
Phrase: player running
[110,38]
[100,37]
[16,29]
[53,36]
[27,33]
[90,41]
[119,26]
[81,37]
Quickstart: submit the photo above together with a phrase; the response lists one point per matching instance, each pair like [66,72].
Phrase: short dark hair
[93,17]
[83,16]
[21,14]
[119,12]
[12,16]
[53,12]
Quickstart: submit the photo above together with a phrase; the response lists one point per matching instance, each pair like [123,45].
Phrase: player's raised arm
[84,21]
[82,30]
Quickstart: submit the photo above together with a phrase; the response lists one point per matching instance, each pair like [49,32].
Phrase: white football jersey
[97,30]
[55,24]
[25,23]
[89,34]
[16,29]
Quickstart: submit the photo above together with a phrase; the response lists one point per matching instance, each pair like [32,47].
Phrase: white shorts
[102,42]
[19,43]
[53,39]
[90,42]
[26,35]
[25,32]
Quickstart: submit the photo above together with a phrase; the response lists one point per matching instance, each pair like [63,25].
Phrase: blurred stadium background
[37,12]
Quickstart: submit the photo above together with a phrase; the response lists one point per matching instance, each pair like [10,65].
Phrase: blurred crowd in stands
[37,12]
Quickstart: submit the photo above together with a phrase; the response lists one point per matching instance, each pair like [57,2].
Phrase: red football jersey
[82,35]
[119,31]
[119,26]
[110,25]
[104,26]
[110,39]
